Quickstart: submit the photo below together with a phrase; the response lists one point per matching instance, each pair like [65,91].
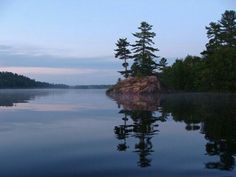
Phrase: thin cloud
[31,51]
[9,57]
[37,51]
[52,71]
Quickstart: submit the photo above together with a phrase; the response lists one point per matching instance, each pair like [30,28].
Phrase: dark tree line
[215,70]
[11,80]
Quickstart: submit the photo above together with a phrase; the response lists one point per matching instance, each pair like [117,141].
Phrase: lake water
[84,133]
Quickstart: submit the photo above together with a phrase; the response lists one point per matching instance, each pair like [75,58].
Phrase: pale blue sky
[72,41]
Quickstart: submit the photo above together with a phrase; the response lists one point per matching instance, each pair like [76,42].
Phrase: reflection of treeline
[196,108]
[215,117]
[10,97]
[11,80]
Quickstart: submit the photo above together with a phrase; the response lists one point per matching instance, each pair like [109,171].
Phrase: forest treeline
[11,80]
[214,70]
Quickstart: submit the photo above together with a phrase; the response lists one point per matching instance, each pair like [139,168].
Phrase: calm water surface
[83,133]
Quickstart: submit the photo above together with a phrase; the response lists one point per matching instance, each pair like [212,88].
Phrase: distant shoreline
[10,80]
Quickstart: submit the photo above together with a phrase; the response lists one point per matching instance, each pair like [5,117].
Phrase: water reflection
[139,111]
[213,115]
[9,98]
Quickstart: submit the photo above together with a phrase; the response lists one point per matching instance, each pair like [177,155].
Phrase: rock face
[137,86]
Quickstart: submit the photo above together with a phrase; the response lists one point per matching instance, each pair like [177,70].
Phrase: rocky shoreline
[137,86]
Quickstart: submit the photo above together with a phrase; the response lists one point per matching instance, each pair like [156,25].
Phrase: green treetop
[144,52]
[162,64]
[220,53]
[122,52]
[222,33]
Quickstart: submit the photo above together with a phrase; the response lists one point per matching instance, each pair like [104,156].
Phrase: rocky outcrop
[136,86]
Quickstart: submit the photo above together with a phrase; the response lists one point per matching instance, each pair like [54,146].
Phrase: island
[213,71]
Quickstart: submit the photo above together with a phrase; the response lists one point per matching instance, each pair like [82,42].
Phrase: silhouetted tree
[220,53]
[122,52]
[162,64]
[144,52]
[185,74]
[221,33]
[215,71]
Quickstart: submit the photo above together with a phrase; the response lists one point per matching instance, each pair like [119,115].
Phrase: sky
[73,41]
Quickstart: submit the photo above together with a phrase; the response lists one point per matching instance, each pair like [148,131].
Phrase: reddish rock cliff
[137,86]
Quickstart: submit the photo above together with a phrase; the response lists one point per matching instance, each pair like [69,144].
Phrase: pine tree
[162,64]
[222,33]
[122,52]
[220,53]
[144,63]
[228,27]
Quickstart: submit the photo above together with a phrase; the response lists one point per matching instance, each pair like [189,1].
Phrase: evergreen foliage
[185,74]
[162,64]
[122,52]
[220,53]
[11,80]
[143,52]
[216,70]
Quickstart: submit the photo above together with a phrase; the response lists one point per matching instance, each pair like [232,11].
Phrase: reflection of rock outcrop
[149,102]
[10,97]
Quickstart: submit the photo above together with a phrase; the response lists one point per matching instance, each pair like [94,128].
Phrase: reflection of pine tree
[144,149]
[221,136]
[122,132]
[224,151]
[143,128]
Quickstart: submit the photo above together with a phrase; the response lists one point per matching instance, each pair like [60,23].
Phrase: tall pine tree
[122,52]
[220,53]
[144,52]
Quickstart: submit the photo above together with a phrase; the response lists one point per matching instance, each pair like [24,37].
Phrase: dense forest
[214,70]
[11,80]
